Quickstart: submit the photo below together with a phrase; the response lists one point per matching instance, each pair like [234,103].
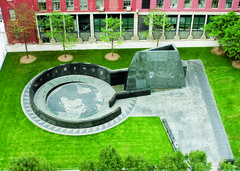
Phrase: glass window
[228,4]
[173,22]
[83,5]
[69,4]
[99,24]
[42,5]
[198,22]
[201,3]
[187,3]
[126,3]
[174,4]
[185,22]
[56,5]
[99,3]
[215,3]
[127,24]
[146,4]
[84,23]
[159,3]
[12,14]
[239,4]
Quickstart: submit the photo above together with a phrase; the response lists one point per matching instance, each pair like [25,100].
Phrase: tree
[86,165]
[112,30]
[62,24]
[231,40]
[174,162]
[109,160]
[30,163]
[157,20]
[219,23]
[137,163]
[24,25]
[225,166]
[197,160]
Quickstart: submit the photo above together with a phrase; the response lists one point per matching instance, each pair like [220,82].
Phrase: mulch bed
[112,57]
[216,51]
[65,59]
[28,60]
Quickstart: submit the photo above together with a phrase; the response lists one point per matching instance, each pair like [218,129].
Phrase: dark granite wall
[155,69]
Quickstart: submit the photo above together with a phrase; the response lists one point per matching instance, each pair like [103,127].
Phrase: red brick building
[187,17]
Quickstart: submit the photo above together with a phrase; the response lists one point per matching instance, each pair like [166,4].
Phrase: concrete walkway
[192,115]
[106,45]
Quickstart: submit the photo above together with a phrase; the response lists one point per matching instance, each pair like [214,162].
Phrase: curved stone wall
[72,69]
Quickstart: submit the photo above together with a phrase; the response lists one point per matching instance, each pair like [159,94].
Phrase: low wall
[96,71]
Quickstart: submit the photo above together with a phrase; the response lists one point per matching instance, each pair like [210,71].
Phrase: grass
[18,136]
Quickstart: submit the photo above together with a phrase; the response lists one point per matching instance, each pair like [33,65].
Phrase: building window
[174,4]
[215,3]
[42,5]
[173,22]
[127,24]
[99,3]
[198,22]
[12,14]
[159,3]
[126,3]
[185,22]
[69,4]
[56,5]
[239,4]
[99,24]
[201,3]
[83,5]
[228,4]
[146,4]
[84,23]
[187,3]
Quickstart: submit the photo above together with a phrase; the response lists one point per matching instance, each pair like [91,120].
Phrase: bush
[30,163]
[109,160]
[87,165]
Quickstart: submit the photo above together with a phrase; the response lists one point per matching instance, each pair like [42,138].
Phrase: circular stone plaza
[74,99]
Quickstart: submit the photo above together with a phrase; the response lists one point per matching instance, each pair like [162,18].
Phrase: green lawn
[136,135]
[18,136]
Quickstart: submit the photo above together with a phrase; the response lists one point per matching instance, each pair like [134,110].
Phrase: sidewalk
[105,45]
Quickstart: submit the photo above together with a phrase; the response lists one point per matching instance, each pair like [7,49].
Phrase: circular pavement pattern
[75,98]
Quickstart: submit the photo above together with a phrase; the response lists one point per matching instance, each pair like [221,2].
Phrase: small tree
[137,163]
[30,163]
[173,162]
[61,25]
[87,165]
[218,25]
[198,161]
[158,20]
[109,159]
[24,25]
[231,40]
[112,31]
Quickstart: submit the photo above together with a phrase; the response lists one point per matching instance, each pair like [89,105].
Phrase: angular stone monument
[157,68]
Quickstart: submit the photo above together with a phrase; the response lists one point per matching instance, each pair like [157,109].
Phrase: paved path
[105,45]
[192,115]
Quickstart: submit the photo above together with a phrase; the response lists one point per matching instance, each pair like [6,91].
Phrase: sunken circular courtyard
[75,99]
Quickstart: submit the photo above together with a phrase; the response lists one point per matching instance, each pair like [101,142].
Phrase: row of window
[184,23]
[70,4]
[84,23]
[201,3]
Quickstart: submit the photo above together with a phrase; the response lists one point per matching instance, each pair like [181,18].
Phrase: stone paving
[192,115]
